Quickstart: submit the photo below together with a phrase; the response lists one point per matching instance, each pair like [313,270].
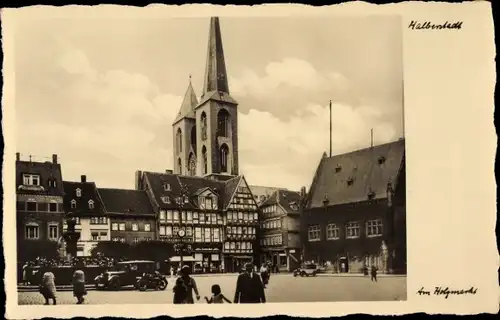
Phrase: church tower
[184,133]
[216,114]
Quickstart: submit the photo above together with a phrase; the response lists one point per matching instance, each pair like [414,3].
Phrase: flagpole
[330,128]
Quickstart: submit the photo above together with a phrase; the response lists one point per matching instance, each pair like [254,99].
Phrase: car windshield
[311,266]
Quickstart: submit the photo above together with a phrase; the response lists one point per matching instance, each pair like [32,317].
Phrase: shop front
[236,262]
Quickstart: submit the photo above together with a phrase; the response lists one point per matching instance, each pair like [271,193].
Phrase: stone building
[280,230]
[39,207]
[130,214]
[355,212]
[83,201]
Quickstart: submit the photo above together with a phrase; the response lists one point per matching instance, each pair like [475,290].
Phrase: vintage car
[125,273]
[306,270]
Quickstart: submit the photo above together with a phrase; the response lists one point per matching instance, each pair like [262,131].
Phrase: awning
[242,257]
[186,259]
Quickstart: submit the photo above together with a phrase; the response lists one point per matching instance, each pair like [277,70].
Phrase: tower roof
[216,84]
[188,104]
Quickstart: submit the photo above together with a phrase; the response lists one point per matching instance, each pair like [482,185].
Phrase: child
[48,287]
[79,286]
[217,296]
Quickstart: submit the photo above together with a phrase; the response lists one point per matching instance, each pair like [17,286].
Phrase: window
[224,157]
[232,245]
[98,220]
[256,216]
[179,165]
[197,234]
[189,217]
[163,215]
[178,139]
[122,226]
[223,123]
[186,199]
[167,187]
[189,231]
[53,231]
[226,245]
[165,199]
[78,192]
[52,183]
[31,231]
[208,235]
[208,203]
[31,179]
[195,217]
[176,215]
[91,204]
[31,206]
[245,217]
[135,227]
[203,121]
[97,236]
[192,161]
[204,158]
[217,235]
[314,233]
[114,226]
[219,219]
[352,230]
[240,215]
[202,218]
[73,204]
[169,230]
[147,227]
[162,230]
[332,232]
[374,228]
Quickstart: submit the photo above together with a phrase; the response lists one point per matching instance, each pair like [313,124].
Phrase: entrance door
[344,265]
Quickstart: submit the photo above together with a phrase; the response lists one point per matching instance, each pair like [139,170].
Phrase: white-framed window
[162,230]
[163,215]
[176,215]
[216,235]
[332,232]
[147,227]
[73,204]
[98,220]
[78,192]
[91,204]
[165,199]
[52,206]
[135,227]
[352,230]
[32,231]
[31,179]
[314,233]
[169,230]
[167,187]
[197,234]
[53,230]
[114,226]
[226,245]
[374,228]
[31,205]
[98,235]
[122,226]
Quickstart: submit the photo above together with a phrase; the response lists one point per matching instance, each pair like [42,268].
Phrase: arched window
[223,123]
[224,157]
[179,164]
[193,138]
[203,121]
[192,164]
[91,204]
[178,139]
[204,159]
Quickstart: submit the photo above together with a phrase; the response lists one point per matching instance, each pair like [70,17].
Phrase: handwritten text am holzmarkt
[427,25]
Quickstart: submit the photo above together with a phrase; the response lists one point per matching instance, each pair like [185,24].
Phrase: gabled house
[219,218]
[39,206]
[82,200]
[280,230]
[130,215]
[355,211]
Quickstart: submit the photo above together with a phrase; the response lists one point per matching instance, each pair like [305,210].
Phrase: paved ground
[282,288]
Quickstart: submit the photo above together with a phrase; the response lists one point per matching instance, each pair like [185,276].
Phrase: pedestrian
[25,273]
[217,296]
[48,287]
[264,274]
[79,290]
[374,273]
[249,287]
[184,287]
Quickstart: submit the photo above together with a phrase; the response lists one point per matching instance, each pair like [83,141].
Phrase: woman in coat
[48,287]
[79,286]
[184,287]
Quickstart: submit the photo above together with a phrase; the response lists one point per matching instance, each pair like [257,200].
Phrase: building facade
[82,200]
[355,212]
[280,239]
[130,214]
[39,207]
[262,193]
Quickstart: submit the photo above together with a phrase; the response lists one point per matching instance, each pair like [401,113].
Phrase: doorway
[344,265]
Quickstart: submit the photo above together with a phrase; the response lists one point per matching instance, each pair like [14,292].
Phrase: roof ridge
[366,148]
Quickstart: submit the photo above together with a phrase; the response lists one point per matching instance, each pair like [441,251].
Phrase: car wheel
[115,284]
[302,274]
[143,286]
[163,285]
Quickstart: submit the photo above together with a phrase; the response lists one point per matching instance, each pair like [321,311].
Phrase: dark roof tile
[46,171]
[122,201]
[88,192]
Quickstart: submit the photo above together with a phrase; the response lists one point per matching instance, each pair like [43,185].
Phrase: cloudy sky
[102,94]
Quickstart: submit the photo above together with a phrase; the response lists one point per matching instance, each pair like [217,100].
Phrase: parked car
[124,273]
[306,270]
[154,281]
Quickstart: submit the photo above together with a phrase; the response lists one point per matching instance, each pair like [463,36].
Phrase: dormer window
[186,199]
[350,181]
[167,187]
[178,200]
[73,204]
[78,192]
[165,199]
[31,179]
[338,168]
[294,206]
[52,183]
[91,204]
[381,160]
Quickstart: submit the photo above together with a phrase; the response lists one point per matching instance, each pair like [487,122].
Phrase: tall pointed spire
[188,104]
[215,70]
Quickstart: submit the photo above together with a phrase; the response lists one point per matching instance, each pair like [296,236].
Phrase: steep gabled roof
[188,105]
[88,192]
[230,187]
[350,177]
[288,200]
[128,202]
[46,171]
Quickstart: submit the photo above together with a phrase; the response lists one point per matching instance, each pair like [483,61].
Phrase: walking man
[249,287]
[374,273]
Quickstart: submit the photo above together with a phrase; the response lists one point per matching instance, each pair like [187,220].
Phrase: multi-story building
[130,215]
[280,230]
[262,193]
[82,200]
[39,207]
[355,212]
[205,195]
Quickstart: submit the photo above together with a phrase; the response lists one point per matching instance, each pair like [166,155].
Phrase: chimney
[84,178]
[138,180]
[18,156]
[168,171]
[54,158]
